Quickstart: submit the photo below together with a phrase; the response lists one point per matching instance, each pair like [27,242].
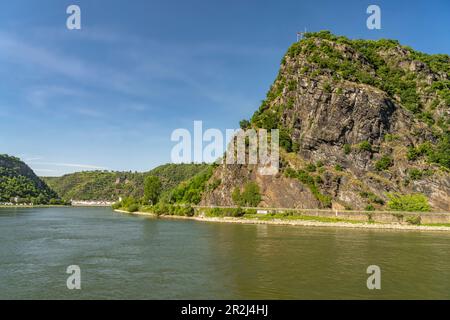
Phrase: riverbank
[34,206]
[306,221]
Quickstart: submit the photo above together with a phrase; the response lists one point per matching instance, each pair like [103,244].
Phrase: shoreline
[304,223]
[35,206]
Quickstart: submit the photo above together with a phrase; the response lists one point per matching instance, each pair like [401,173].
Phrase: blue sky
[109,95]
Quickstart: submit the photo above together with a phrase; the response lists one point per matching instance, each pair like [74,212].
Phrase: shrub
[410,202]
[416,152]
[244,124]
[415,174]
[370,207]
[338,167]
[365,146]
[127,204]
[347,148]
[311,183]
[133,207]
[116,205]
[383,163]
[187,211]
[390,137]
[235,212]
[416,220]
[311,167]
[250,197]
[285,140]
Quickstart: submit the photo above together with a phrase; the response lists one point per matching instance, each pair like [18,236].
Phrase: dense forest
[18,183]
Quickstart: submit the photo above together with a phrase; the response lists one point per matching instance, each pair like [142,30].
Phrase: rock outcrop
[359,120]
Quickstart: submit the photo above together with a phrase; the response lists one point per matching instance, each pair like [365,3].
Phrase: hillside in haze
[17,180]
[361,122]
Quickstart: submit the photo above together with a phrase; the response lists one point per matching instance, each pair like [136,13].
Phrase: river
[129,257]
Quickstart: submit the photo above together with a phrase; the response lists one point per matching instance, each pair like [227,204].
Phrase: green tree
[250,197]
[244,124]
[152,189]
[408,202]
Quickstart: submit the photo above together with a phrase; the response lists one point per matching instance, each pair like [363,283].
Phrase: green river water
[129,257]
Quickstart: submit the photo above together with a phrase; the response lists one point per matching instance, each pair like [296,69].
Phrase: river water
[129,257]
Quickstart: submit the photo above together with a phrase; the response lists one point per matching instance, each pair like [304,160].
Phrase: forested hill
[17,180]
[105,185]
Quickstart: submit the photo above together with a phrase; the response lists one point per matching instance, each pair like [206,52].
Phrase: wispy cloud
[45,170]
[71,165]
[32,159]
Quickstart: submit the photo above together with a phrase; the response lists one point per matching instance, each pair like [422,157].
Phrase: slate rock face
[331,96]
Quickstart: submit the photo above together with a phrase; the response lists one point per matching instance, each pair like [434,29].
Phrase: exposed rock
[324,113]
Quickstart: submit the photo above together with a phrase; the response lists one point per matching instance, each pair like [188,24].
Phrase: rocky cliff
[359,120]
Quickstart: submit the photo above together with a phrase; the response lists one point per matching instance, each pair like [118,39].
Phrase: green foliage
[439,153]
[369,207]
[308,180]
[415,220]
[227,212]
[410,202]
[191,191]
[338,167]
[365,146]
[373,68]
[250,197]
[106,185]
[417,174]
[152,189]
[285,140]
[129,204]
[17,180]
[133,207]
[384,163]
[371,197]
[347,148]
[311,167]
[390,137]
[171,210]
[244,124]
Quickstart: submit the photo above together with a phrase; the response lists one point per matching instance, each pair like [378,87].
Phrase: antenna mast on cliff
[300,35]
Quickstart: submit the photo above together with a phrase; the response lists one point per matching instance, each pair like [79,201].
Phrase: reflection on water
[144,258]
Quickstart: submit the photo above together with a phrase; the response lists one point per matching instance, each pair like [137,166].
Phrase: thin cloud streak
[71,165]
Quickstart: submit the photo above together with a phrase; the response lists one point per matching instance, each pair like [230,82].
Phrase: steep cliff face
[358,120]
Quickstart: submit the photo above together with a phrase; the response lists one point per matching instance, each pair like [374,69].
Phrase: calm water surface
[126,257]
